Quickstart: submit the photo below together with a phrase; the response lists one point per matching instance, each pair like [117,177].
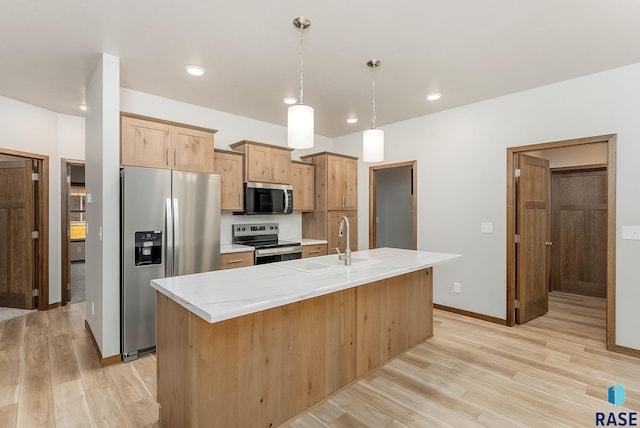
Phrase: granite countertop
[225,294]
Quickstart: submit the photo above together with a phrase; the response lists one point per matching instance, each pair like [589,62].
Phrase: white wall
[461,157]
[35,130]
[102,283]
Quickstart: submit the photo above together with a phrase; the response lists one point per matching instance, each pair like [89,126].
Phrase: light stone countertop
[312,241]
[225,294]
[234,248]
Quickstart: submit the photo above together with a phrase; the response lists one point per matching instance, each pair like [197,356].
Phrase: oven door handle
[277,251]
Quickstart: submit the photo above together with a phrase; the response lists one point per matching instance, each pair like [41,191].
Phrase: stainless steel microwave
[267,198]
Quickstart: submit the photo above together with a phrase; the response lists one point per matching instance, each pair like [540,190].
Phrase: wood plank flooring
[553,371]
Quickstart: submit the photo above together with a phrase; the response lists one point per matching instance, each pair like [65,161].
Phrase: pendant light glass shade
[300,127]
[373,145]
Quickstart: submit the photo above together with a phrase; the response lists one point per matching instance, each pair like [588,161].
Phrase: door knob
[548,243]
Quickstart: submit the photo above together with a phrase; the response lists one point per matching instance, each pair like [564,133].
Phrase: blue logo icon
[616,395]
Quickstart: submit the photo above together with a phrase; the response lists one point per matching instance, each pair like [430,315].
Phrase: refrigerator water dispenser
[148,248]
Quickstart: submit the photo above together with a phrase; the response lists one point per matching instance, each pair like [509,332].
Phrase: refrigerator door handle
[168,227]
[176,237]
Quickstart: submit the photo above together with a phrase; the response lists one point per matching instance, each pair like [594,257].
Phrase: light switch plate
[631,232]
[486,227]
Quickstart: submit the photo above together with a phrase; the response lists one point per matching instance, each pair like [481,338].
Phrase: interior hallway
[553,370]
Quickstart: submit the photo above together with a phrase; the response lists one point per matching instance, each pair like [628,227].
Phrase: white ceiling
[468,50]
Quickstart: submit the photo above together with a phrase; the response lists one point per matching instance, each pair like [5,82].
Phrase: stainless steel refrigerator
[170,225]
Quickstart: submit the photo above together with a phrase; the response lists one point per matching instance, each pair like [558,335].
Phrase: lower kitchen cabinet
[236,260]
[314,250]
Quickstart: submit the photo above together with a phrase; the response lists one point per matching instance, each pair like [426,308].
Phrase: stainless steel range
[264,238]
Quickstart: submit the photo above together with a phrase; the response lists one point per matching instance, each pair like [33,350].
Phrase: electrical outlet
[457,287]
[486,227]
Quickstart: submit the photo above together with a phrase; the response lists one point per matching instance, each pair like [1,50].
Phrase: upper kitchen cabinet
[144,143]
[336,180]
[229,166]
[303,188]
[265,163]
[192,149]
[158,144]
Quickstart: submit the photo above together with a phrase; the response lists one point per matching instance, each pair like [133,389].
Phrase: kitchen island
[257,346]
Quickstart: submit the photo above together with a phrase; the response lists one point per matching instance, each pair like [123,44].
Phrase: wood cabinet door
[333,225]
[258,163]
[192,150]
[303,188]
[335,183]
[229,167]
[350,177]
[281,166]
[342,174]
[145,143]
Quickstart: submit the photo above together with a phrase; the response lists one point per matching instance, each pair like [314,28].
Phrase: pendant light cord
[301,65]
[373,104]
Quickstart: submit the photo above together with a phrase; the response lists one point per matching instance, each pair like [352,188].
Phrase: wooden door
[281,166]
[192,150]
[145,143]
[336,185]
[303,186]
[17,221]
[258,163]
[579,232]
[333,224]
[229,167]
[533,195]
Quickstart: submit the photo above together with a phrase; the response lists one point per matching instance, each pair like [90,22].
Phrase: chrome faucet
[346,256]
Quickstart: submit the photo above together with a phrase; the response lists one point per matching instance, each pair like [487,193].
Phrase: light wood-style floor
[553,371]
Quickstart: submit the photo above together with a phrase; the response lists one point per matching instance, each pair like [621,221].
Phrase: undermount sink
[324,265]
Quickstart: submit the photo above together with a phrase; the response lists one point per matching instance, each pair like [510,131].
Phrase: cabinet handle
[314,251]
[174,158]
[166,157]
[235,261]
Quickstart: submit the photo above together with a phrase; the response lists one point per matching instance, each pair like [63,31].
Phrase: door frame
[65,237]
[372,199]
[42,208]
[610,139]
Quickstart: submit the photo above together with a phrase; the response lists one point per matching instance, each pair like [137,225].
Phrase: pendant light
[300,132]
[373,139]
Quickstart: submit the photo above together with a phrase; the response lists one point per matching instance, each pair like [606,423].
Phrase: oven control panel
[254,229]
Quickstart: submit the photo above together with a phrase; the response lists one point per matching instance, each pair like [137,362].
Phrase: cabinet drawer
[235,260]
[314,250]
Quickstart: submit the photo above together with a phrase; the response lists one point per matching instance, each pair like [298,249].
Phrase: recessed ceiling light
[83,107]
[352,120]
[290,100]
[434,96]
[194,70]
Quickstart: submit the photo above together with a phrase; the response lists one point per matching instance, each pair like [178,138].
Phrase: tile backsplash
[290,225]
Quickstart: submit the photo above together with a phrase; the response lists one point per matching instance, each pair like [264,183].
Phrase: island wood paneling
[262,369]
